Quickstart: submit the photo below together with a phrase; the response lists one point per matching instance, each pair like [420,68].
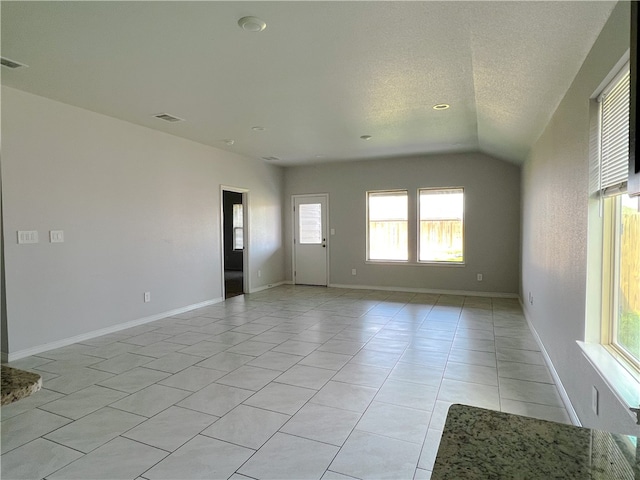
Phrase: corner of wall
[4,337]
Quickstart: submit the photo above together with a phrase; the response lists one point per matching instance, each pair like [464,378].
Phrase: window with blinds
[621,229]
[614,135]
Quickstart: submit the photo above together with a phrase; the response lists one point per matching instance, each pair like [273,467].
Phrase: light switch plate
[56,236]
[27,236]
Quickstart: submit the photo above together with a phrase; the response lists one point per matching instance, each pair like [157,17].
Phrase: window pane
[627,333]
[441,225]
[238,238]
[310,221]
[388,226]
[238,234]
[237,215]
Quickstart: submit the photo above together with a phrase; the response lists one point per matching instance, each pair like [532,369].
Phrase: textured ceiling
[318,77]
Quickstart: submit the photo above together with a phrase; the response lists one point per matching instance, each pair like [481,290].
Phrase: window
[238,230]
[387,225]
[441,225]
[621,228]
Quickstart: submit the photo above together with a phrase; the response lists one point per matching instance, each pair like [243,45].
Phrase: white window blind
[614,139]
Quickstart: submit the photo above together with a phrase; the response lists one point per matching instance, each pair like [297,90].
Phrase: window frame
[419,219]
[611,222]
[368,228]
[610,193]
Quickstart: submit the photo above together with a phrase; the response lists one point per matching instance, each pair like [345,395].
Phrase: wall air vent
[169,118]
[5,62]
[270,159]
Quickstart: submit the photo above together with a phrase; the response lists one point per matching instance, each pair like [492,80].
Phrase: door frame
[246,280]
[293,232]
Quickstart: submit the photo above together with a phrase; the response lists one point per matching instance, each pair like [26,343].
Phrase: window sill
[622,383]
[414,264]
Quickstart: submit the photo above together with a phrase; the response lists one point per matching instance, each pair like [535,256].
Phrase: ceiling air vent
[5,62]
[169,118]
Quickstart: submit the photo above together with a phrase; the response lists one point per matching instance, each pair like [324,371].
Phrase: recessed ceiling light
[258,129]
[365,137]
[252,24]
[228,141]
[441,106]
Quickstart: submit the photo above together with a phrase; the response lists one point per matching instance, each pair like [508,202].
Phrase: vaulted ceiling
[318,77]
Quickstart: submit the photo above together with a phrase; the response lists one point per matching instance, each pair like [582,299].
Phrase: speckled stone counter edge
[17,384]
[485,444]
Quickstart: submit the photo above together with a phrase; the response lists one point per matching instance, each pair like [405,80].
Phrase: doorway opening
[233,221]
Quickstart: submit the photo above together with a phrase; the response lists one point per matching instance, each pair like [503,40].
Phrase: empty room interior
[268,240]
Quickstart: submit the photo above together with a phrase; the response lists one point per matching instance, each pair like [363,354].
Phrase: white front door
[310,239]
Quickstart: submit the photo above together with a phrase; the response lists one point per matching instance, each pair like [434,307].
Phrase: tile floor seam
[495,345]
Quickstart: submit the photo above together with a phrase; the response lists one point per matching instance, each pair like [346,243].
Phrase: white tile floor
[292,382]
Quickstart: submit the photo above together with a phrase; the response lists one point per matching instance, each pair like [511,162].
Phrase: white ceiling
[318,77]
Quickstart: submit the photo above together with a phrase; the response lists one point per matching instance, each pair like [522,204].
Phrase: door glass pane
[310,221]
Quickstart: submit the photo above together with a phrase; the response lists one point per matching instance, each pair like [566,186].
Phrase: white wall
[492,219]
[555,223]
[140,212]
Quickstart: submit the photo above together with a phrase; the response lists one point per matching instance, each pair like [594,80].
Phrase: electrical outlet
[479,277]
[56,236]
[259,273]
[147,297]
[530,298]
[353,271]
[594,399]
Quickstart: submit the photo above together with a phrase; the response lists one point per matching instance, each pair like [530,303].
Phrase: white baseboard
[427,290]
[554,374]
[267,287]
[104,331]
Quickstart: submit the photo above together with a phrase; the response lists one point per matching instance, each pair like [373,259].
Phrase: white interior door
[310,239]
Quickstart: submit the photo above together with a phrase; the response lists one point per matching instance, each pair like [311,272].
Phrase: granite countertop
[484,444]
[17,384]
